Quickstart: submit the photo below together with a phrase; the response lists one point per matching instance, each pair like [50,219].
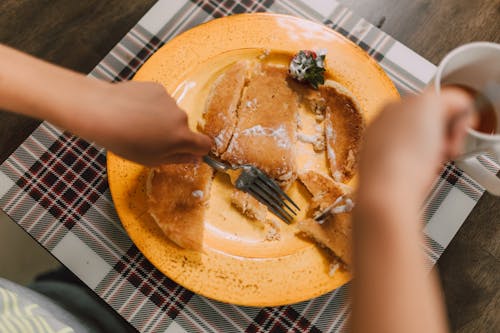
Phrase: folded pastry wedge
[338,109]
[248,205]
[219,117]
[335,232]
[177,198]
[344,127]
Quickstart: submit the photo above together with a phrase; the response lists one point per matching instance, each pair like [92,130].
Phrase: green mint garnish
[308,66]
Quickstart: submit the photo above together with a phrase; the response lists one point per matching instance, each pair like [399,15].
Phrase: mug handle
[480,174]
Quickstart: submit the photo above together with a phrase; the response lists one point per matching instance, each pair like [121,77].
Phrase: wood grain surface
[78,34]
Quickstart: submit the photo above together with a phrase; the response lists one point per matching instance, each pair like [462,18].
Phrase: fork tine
[270,207]
[261,196]
[276,187]
[272,200]
[269,191]
[322,216]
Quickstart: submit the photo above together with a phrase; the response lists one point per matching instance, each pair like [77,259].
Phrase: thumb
[195,144]
[459,113]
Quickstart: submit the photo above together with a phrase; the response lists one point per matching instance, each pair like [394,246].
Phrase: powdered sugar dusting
[233,144]
[345,208]
[264,54]
[299,120]
[222,116]
[197,194]
[333,269]
[251,104]
[280,134]
[317,140]
[331,156]
[331,137]
[219,139]
[307,138]
[330,134]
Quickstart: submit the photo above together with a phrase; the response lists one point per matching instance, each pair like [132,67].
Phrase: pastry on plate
[248,205]
[335,233]
[177,198]
[344,126]
[310,98]
[219,117]
[255,210]
[341,115]
[266,129]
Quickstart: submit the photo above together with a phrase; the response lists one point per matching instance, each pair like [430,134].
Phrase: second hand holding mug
[476,66]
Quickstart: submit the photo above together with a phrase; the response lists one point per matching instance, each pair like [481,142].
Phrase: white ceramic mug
[474,65]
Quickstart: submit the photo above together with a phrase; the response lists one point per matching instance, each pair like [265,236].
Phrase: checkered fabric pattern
[54,186]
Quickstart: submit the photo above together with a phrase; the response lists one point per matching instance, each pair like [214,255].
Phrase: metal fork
[343,204]
[253,181]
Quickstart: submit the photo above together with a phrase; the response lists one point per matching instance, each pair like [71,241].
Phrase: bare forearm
[137,120]
[41,90]
[393,290]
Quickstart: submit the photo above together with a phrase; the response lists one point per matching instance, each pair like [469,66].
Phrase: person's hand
[136,120]
[407,143]
[141,122]
[403,150]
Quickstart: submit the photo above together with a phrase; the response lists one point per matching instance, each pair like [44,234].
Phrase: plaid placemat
[54,185]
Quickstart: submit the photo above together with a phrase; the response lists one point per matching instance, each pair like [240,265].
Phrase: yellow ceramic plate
[238,265]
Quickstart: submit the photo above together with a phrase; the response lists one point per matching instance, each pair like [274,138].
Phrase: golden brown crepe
[323,189]
[310,98]
[177,199]
[335,233]
[219,117]
[249,206]
[341,114]
[266,130]
[344,126]
[255,210]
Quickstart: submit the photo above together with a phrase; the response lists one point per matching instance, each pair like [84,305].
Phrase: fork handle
[217,165]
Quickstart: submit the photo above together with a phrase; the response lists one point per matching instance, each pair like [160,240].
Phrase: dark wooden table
[78,34]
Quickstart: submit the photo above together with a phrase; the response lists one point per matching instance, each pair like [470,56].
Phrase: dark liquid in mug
[484,120]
